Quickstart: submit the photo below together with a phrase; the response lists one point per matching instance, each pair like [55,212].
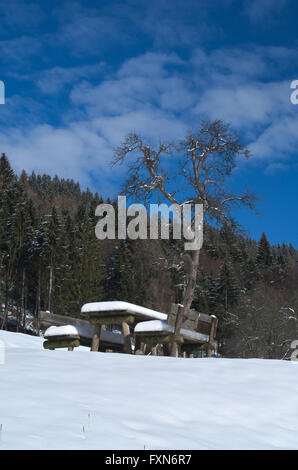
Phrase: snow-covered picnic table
[151,326]
[117,312]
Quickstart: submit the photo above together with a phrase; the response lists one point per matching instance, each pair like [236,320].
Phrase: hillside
[51,260]
[83,400]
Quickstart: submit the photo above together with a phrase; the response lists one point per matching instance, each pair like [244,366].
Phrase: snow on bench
[109,339]
[66,336]
[65,330]
[153,326]
[196,331]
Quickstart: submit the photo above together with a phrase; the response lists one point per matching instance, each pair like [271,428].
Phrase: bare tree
[195,170]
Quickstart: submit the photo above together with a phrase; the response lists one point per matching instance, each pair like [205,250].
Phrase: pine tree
[227,286]
[91,265]
[264,252]
[250,274]
[122,281]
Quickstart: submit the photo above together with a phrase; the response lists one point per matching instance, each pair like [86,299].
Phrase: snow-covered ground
[83,400]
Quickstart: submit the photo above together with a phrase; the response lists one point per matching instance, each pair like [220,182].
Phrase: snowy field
[83,400]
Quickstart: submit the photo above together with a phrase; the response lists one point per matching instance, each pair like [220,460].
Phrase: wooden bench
[117,312]
[198,331]
[108,339]
[61,337]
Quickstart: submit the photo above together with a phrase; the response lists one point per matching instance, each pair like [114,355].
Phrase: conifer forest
[51,260]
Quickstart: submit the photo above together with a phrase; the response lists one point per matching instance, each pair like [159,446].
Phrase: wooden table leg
[96,338]
[126,335]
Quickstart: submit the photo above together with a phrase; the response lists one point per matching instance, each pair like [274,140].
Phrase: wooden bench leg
[178,326]
[137,345]
[210,345]
[166,349]
[126,335]
[146,349]
[96,338]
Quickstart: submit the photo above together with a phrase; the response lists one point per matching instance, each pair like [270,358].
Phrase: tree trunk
[37,305]
[18,318]
[5,316]
[50,289]
[192,279]
[23,313]
[188,296]
[25,308]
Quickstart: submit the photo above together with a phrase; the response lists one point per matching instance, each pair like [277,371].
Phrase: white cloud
[89,30]
[53,80]
[159,96]
[149,65]
[274,168]
[73,152]
[247,105]
[17,50]
[83,150]
[20,15]
[143,83]
[278,141]
[263,11]
[152,124]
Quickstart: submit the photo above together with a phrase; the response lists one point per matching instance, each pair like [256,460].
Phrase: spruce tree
[264,252]
[227,286]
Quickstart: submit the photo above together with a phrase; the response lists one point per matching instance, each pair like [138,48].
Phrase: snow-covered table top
[67,330]
[123,306]
[162,326]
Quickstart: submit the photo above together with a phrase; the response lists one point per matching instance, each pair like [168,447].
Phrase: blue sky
[80,75]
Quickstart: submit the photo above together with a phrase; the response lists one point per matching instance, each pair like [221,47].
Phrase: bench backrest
[194,321]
